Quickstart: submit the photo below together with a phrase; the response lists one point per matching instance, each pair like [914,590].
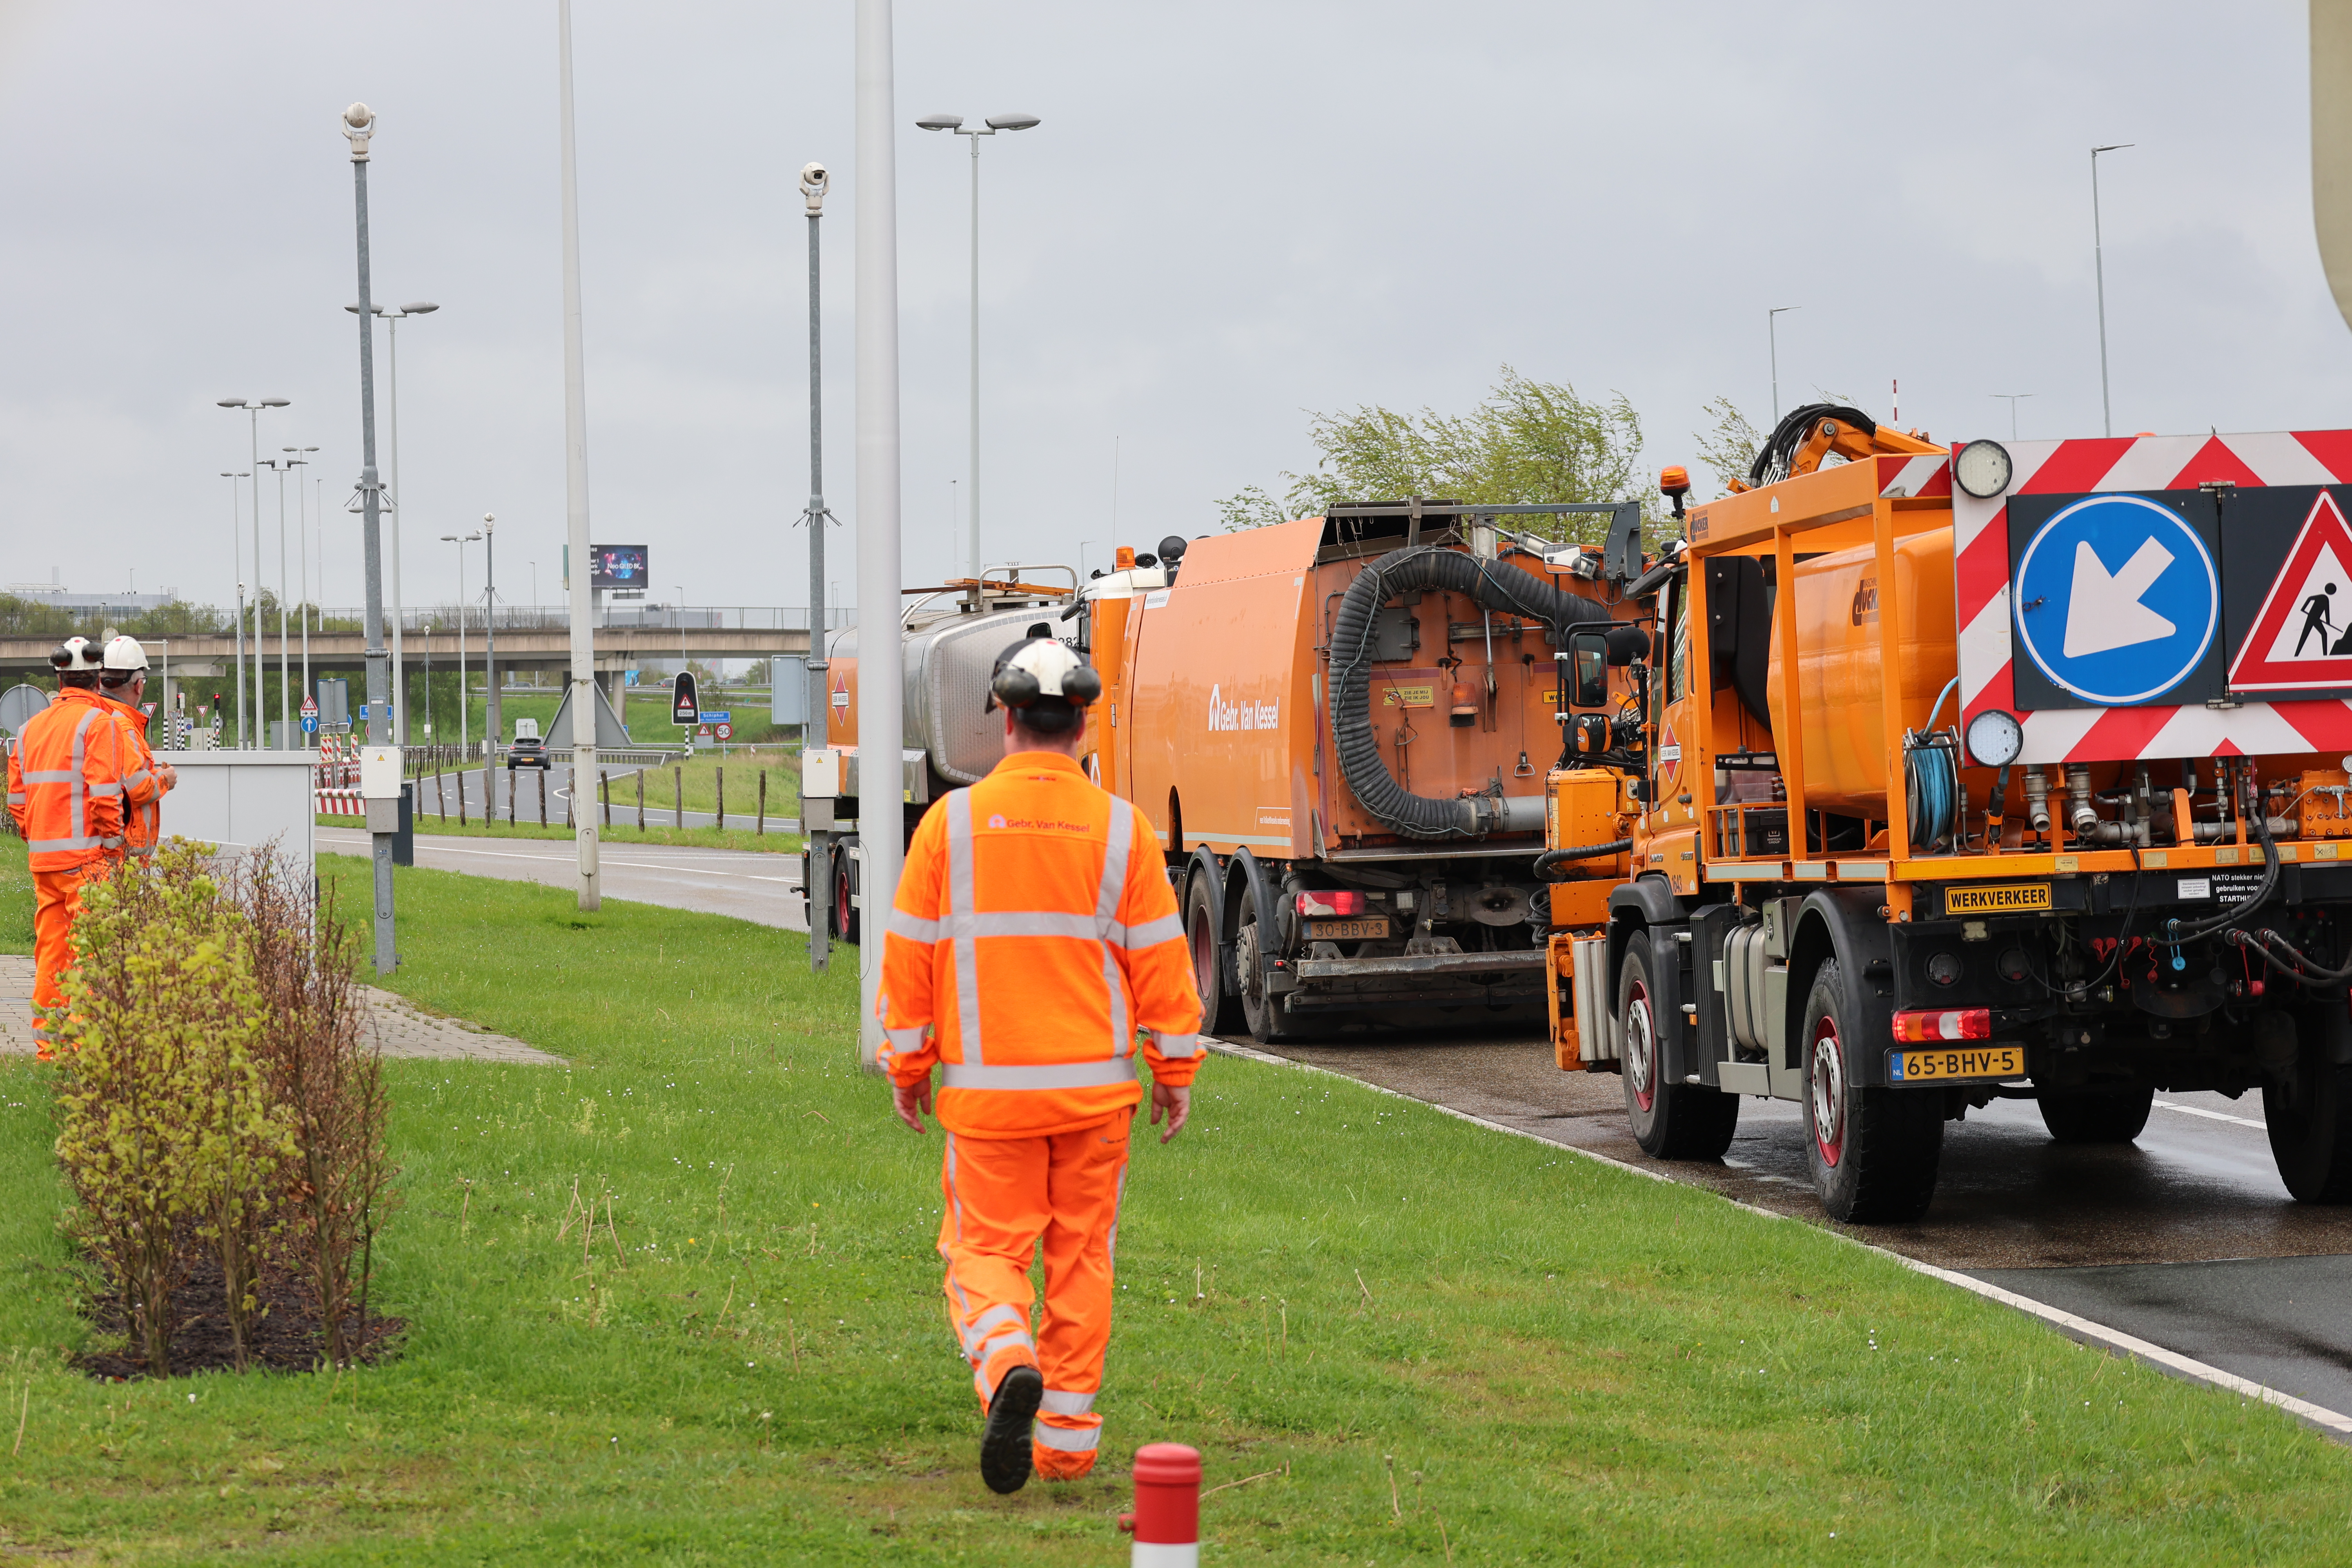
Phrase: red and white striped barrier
[1167,1517]
[1980,556]
[340,802]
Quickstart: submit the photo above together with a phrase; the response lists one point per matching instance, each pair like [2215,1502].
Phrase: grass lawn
[646,710]
[698,778]
[1444,1343]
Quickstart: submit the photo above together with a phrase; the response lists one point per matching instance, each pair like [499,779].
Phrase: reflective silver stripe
[955,1207]
[906,1039]
[1118,1207]
[960,900]
[1084,1441]
[1151,933]
[80,754]
[1114,886]
[105,791]
[979,1331]
[1023,922]
[1062,1402]
[49,775]
[54,846]
[111,841]
[1176,1047]
[1066,1074]
[913,928]
[15,797]
[1004,1340]
[137,779]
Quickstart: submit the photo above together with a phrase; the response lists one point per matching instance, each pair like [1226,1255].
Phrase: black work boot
[1005,1446]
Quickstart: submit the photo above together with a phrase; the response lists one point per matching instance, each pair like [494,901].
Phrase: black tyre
[1670,1120]
[1872,1151]
[1261,1010]
[2096,1115]
[844,916]
[1221,1002]
[2309,1113]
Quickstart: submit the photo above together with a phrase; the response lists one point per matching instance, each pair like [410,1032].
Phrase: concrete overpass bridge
[545,644]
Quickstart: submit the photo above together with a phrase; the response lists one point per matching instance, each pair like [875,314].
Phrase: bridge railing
[444,618]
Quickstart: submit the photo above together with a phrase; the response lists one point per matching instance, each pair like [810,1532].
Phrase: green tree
[1729,444]
[1527,441]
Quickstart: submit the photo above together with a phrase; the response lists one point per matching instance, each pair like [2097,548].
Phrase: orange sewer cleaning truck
[2105,682]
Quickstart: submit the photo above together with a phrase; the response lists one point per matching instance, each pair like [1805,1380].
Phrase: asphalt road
[2185,1238]
[744,883]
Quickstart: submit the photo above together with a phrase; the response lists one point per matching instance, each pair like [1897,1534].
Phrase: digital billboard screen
[618,566]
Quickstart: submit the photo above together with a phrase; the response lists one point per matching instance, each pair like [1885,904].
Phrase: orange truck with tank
[2106,683]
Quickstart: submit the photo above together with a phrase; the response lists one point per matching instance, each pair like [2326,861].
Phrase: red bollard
[1167,1517]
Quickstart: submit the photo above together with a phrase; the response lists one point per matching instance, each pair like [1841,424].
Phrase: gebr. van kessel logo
[2117,599]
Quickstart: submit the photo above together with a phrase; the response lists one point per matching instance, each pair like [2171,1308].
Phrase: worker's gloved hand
[169,775]
[912,1099]
[1176,1102]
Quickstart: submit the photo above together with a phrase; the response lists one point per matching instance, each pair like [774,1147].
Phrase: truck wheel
[1670,1120]
[1221,1008]
[1261,1009]
[2310,1121]
[1872,1151]
[2095,1116]
[843,914]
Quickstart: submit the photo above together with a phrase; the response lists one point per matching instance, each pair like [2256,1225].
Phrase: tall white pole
[392,536]
[971,497]
[881,834]
[576,491]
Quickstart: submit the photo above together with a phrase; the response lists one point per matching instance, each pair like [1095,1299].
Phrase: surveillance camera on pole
[380,765]
[815,180]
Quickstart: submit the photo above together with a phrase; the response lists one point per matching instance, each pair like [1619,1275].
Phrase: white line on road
[2212,1115]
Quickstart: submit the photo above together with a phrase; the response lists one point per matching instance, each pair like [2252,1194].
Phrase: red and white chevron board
[1980,563]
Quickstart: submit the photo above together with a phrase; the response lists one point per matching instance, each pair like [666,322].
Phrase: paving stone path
[401,1030]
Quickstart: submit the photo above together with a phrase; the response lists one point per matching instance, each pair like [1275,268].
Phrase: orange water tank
[1841,686]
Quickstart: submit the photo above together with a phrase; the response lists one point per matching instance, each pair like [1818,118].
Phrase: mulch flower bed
[286,1334]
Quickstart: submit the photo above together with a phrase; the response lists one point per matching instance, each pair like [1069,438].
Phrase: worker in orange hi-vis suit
[123,682]
[65,791]
[1034,939]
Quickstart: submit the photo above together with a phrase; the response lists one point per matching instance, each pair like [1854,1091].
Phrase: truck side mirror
[1588,661]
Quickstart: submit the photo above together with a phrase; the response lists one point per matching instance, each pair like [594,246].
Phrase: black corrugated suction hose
[1552,858]
[1506,589]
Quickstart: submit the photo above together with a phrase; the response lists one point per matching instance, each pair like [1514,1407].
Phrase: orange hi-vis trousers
[56,898]
[1003,1195]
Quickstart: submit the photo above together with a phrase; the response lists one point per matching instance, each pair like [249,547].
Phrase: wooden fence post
[721,773]
[761,830]
[677,796]
[641,800]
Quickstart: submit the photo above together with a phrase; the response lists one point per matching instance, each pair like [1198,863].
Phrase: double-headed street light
[253,407]
[994,123]
[392,318]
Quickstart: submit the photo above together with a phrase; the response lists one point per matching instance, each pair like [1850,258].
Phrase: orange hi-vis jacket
[1034,937]
[68,780]
[142,793]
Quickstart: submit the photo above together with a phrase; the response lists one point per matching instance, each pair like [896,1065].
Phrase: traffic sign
[2302,638]
[684,710]
[723,729]
[309,722]
[717,716]
[2117,599]
[310,707]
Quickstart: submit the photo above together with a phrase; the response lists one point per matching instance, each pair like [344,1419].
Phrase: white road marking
[2212,1115]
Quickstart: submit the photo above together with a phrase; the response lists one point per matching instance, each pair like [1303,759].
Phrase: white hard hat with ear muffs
[1037,668]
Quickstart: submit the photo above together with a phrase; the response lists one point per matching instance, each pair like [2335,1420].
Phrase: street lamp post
[237,561]
[284,670]
[2099,271]
[384,819]
[995,122]
[253,407]
[392,320]
[1772,337]
[575,483]
[494,733]
[815,180]
[2012,398]
[465,735]
[302,527]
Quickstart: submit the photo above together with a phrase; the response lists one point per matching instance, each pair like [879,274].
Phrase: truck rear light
[1319,905]
[1925,1027]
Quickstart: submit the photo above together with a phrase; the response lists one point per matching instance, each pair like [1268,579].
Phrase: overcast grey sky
[1231,214]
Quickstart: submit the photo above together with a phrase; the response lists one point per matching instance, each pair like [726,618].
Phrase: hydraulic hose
[1551,858]
[1401,572]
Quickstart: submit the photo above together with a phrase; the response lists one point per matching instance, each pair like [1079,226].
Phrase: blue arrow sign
[2117,599]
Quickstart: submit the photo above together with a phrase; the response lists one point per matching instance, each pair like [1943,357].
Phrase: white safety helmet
[125,653]
[1039,666]
[75,655]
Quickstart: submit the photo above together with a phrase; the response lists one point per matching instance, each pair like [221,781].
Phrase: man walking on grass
[1034,938]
